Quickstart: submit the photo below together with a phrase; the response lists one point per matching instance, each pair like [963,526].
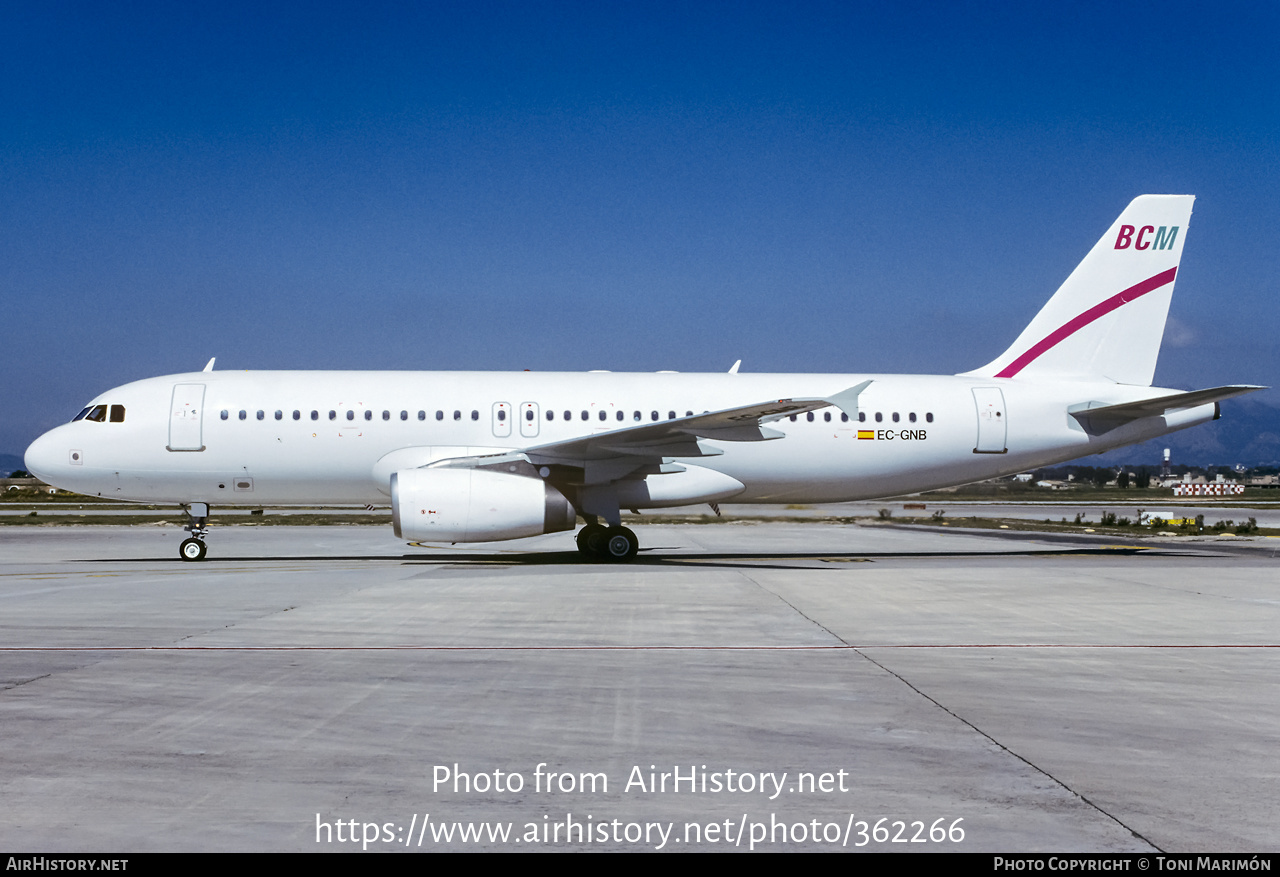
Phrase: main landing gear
[616,544]
[194,548]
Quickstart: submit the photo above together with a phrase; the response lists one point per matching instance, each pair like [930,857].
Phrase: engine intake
[474,505]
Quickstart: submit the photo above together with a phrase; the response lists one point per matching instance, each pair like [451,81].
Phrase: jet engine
[474,505]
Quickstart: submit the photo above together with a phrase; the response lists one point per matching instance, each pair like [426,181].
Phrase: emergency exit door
[186,416]
[992,421]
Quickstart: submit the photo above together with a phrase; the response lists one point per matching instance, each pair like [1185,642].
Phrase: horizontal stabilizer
[1107,417]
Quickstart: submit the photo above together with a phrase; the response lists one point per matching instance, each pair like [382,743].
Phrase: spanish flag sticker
[866,434]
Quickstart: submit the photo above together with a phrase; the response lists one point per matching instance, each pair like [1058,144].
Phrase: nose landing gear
[194,548]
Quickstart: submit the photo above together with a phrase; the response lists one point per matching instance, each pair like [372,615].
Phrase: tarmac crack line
[24,682]
[1028,762]
[959,718]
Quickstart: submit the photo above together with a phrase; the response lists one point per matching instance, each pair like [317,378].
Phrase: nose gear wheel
[192,549]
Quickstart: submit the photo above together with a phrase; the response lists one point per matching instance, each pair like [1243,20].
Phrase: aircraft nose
[46,458]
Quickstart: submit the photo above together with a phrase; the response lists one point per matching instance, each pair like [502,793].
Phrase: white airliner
[482,456]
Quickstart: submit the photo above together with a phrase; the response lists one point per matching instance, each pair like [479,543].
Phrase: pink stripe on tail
[1069,328]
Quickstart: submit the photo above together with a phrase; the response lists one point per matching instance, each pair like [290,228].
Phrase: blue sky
[807,187]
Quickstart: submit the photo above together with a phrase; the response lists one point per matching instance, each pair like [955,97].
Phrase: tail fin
[1106,321]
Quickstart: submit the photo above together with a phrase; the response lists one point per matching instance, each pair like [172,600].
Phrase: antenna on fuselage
[208,366]
[734,370]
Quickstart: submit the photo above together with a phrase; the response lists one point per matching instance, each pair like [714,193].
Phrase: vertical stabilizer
[1106,321]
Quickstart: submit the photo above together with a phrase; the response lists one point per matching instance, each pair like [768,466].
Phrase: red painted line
[832,648]
[1069,328]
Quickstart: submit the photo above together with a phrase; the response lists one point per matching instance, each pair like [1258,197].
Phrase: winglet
[847,400]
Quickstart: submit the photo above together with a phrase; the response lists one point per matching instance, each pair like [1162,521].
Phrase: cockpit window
[98,414]
[117,414]
[82,414]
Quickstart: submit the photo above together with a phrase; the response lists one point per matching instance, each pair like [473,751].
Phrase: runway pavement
[799,684]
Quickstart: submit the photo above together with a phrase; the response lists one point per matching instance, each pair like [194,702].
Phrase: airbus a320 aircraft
[483,456]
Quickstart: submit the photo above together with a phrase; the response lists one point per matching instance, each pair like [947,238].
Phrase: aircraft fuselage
[258,438]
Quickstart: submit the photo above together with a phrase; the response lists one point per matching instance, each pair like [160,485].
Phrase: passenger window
[568,415]
[333,415]
[895,417]
[603,415]
[912,417]
[368,414]
[261,415]
[826,415]
[635,416]
[879,417]
[862,417]
[475,415]
[653,415]
[690,414]
[928,417]
[809,417]
[551,415]
[225,414]
[386,415]
[439,415]
[315,415]
[279,414]
[502,415]
[585,415]
[351,415]
[297,415]
[243,414]
[528,414]
[117,414]
[620,415]
[844,418]
[457,415]
[671,415]
[793,418]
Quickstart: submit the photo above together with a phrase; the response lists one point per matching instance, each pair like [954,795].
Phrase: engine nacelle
[474,505]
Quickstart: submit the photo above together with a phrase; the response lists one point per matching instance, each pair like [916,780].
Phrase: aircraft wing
[610,455]
[1108,417]
[680,437]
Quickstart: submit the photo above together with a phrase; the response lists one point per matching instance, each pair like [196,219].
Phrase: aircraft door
[529,419]
[502,419]
[186,417]
[993,427]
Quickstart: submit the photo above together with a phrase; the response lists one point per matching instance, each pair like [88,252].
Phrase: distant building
[1220,487]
